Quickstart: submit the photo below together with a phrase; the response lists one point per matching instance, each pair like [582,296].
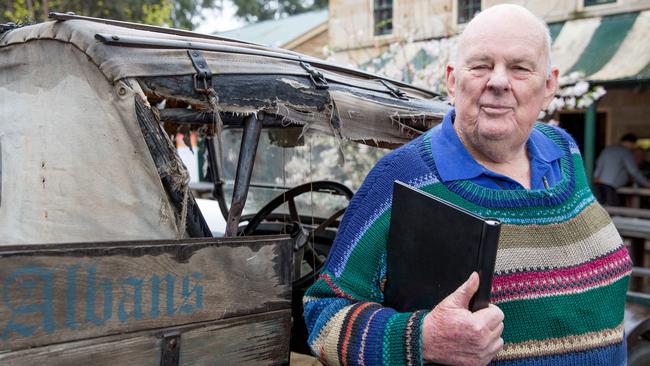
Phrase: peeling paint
[294,83]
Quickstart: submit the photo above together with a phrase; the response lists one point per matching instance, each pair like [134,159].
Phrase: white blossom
[585,102]
[599,91]
[580,88]
[570,103]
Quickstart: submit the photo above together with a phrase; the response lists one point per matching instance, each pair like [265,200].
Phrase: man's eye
[479,67]
[521,68]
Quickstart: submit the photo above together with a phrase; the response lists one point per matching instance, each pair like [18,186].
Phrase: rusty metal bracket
[203,76]
[170,349]
[6,27]
[394,91]
[316,76]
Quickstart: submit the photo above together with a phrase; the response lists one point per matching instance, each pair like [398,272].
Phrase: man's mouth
[495,109]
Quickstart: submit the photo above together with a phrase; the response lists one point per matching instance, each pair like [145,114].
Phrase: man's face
[500,83]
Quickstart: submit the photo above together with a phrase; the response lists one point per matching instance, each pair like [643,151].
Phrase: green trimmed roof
[276,33]
[605,49]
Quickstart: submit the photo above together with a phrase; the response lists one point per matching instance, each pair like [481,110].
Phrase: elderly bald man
[561,273]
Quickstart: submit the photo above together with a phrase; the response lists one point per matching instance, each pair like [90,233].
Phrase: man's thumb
[461,297]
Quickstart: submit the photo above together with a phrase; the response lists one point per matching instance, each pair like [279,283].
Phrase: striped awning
[604,49]
[610,48]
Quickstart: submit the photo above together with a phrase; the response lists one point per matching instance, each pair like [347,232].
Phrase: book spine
[485,264]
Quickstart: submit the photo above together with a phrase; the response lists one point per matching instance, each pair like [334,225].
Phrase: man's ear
[551,86]
[451,81]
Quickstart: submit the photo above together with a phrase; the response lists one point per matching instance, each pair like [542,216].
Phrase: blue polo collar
[454,162]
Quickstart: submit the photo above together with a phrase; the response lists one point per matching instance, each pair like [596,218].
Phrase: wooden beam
[260,339]
[166,160]
[640,213]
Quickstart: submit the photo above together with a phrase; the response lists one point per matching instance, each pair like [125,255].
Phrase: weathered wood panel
[260,339]
[251,340]
[65,292]
[136,351]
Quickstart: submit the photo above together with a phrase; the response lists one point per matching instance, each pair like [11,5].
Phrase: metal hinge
[316,76]
[203,76]
[170,349]
[394,91]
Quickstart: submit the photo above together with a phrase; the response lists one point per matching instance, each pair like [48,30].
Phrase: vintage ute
[105,256]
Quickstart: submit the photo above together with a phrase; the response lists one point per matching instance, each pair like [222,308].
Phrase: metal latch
[316,76]
[394,91]
[203,76]
[170,349]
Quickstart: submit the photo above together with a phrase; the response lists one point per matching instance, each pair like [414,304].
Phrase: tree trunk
[46,9]
[30,8]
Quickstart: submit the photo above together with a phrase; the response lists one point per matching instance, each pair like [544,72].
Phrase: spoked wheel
[308,257]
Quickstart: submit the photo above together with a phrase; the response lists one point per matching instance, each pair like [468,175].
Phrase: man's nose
[499,81]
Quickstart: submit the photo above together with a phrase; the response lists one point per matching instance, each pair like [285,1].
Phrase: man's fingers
[497,346]
[497,331]
[461,297]
[491,316]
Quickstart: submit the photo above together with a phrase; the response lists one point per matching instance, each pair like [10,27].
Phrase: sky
[220,20]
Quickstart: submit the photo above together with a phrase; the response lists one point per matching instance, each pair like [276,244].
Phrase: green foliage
[259,10]
[157,13]
[174,13]
[19,13]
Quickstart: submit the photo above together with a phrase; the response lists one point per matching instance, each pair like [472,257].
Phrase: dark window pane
[467,9]
[0,174]
[383,16]
[598,2]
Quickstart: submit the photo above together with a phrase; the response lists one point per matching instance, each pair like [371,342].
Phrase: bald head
[508,20]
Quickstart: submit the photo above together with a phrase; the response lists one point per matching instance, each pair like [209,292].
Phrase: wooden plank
[632,227]
[634,191]
[167,163]
[254,340]
[66,292]
[135,351]
[641,213]
[260,339]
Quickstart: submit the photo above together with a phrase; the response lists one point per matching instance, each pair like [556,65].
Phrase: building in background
[306,33]
[608,41]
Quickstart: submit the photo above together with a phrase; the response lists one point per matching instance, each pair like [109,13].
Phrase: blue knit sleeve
[346,320]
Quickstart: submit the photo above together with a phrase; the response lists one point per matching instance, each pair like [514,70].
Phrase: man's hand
[453,335]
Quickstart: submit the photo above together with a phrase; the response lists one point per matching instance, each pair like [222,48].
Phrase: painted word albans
[38,299]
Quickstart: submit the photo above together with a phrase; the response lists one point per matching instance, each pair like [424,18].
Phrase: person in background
[561,272]
[614,167]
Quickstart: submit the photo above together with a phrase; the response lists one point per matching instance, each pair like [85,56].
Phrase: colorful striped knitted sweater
[560,278]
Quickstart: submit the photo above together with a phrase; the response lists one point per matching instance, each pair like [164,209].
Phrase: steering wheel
[308,263]
[303,251]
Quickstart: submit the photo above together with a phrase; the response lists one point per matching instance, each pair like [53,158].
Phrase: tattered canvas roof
[365,105]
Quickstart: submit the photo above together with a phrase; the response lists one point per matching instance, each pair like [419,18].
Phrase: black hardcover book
[433,247]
